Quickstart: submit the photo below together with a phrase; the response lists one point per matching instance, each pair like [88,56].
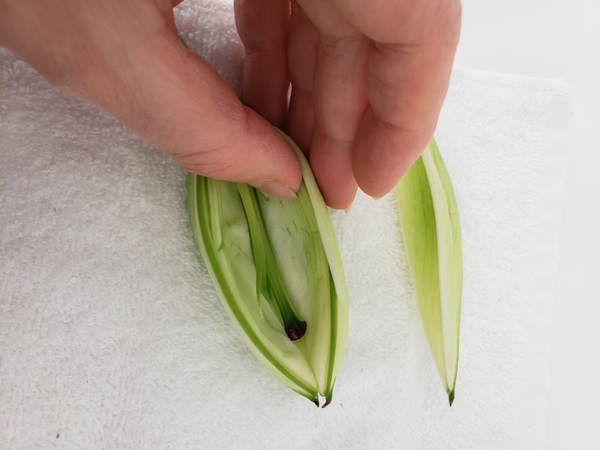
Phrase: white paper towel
[113,337]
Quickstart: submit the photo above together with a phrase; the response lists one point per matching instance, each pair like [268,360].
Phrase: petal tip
[451,397]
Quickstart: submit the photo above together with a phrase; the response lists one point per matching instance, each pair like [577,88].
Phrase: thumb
[126,57]
[175,100]
[193,115]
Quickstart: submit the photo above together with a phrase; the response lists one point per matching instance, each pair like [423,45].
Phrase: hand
[368,81]
[126,57]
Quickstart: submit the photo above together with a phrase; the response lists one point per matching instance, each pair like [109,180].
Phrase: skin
[368,78]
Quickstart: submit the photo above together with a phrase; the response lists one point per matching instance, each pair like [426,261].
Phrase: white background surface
[559,39]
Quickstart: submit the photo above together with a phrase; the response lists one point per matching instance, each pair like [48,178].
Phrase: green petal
[431,230]
[305,255]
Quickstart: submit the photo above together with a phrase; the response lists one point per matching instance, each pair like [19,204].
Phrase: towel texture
[113,337]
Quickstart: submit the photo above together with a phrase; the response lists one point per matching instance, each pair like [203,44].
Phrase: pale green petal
[431,230]
[307,257]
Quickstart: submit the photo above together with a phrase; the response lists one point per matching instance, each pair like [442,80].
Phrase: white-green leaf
[265,254]
[431,230]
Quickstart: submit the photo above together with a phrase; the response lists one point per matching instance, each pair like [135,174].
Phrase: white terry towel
[113,337]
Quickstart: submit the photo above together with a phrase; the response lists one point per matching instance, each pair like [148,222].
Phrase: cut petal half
[276,267]
[431,231]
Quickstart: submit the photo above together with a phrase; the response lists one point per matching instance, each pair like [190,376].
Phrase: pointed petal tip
[328,398]
[451,397]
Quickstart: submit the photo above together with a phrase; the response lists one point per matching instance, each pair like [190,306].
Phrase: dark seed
[295,333]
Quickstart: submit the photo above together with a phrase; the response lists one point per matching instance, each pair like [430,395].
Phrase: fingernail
[348,207]
[377,198]
[274,188]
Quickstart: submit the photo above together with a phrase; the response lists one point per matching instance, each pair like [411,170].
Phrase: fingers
[409,69]
[263,26]
[403,63]
[302,47]
[407,85]
[328,94]
[340,103]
